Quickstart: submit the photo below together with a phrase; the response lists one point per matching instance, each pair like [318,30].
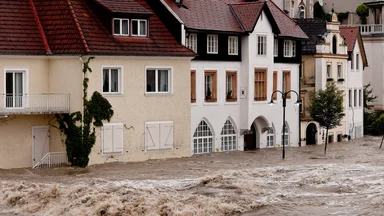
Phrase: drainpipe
[302,105]
[82,94]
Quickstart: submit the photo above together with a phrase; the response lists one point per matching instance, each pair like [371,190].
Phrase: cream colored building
[325,58]
[142,71]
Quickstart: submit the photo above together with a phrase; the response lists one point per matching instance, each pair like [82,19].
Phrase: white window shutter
[107,139]
[152,136]
[166,135]
[118,138]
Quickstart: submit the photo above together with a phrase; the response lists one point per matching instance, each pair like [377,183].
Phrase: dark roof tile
[124,6]
[248,14]
[314,28]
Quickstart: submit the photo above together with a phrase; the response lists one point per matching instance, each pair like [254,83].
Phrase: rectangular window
[274,96]
[231,86]
[193,86]
[357,62]
[276,47]
[289,48]
[120,27]
[14,88]
[210,84]
[139,27]
[233,45]
[301,106]
[158,136]
[339,71]
[287,82]
[112,138]
[158,80]
[261,45]
[360,98]
[350,97]
[212,44]
[112,80]
[191,42]
[355,98]
[260,84]
[329,71]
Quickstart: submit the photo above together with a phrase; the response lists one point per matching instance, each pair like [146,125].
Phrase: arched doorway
[311,133]
[252,138]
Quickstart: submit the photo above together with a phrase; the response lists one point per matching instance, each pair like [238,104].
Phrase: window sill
[231,103]
[213,53]
[105,94]
[112,153]
[206,103]
[155,94]
[233,54]
[138,39]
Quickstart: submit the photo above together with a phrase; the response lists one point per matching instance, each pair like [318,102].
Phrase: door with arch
[311,134]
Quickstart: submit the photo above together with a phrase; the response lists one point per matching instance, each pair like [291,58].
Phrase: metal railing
[53,159]
[33,103]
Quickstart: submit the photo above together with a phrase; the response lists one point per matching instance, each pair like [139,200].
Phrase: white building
[243,57]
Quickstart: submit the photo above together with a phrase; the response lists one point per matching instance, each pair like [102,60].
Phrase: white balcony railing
[369,29]
[33,103]
[52,159]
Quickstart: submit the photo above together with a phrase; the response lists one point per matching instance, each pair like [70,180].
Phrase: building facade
[138,67]
[239,64]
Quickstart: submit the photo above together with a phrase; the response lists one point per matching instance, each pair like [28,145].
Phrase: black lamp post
[284,96]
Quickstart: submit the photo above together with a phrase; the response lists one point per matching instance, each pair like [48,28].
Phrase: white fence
[53,159]
[33,103]
[369,28]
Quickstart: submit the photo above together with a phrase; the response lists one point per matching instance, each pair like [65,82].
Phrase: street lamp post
[284,96]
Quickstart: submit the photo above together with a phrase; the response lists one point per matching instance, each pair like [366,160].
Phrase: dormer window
[121,27]
[139,27]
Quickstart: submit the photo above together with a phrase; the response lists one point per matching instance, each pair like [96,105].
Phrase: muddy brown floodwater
[348,180]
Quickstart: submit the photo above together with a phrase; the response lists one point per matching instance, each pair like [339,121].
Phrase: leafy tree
[326,108]
[318,11]
[368,97]
[362,11]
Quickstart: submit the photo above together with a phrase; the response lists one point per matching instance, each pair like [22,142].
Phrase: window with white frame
[203,139]
[339,71]
[212,44]
[228,137]
[360,98]
[276,47]
[139,27]
[158,136]
[261,45]
[329,71]
[289,48]
[285,135]
[121,27]
[112,80]
[270,138]
[191,42]
[112,134]
[158,80]
[14,88]
[233,45]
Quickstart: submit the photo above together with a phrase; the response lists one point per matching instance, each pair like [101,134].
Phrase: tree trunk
[326,142]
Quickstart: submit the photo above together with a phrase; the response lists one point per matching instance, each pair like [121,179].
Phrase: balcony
[370,29]
[16,104]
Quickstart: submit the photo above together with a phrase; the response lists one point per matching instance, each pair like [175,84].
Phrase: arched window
[228,137]
[301,12]
[270,138]
[285,135]
[202,139]
[334,45]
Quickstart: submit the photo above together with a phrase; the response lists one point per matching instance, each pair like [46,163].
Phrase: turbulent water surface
[348,180]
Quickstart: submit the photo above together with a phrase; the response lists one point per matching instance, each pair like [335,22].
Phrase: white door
[40,143]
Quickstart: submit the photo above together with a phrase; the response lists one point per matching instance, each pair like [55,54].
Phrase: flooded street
[348,180]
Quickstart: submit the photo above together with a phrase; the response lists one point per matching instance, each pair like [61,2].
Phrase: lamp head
[298,102]
[271,102]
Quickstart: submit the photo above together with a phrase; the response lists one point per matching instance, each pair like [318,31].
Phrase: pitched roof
[350,35]
[247,13]
[19,32]
[287,26]
[73,27]
[314,28]
[207,14]
[124,6]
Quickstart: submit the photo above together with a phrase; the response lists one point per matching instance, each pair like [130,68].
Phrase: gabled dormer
[124,19]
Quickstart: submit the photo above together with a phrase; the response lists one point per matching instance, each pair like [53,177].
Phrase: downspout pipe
[302,105]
